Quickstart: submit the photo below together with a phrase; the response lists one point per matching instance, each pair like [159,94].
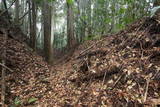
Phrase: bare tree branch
[6,67]
[23,15]
[8,8]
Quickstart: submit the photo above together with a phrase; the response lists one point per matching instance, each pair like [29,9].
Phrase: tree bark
[17,11]
[70,27]
[89,18]
[3,71]
[33,36]
[3,62]
[5,6]
[48,45]
[53,25]
[30,22]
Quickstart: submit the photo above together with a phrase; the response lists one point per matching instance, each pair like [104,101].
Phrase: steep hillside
[120,69]
[29,74]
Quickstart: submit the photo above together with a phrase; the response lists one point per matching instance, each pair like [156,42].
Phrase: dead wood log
[6,67]
[83,52]
[99,75]
[93,53]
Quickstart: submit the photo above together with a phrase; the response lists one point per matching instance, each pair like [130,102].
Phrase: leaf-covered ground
[119,70]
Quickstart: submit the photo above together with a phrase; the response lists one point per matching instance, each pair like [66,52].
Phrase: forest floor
[118,70]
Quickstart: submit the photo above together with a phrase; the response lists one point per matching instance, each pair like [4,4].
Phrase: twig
[138,86]
[104,78]
[8,8]
[89,48]
[23,15]
[6,67]
[119,78]
[146,92]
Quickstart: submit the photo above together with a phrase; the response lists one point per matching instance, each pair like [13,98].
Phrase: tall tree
[30,20]
[70,25]
[3,70]
[32,23]
[48,45]
[17,11]
[6,10]
[3,63]
[89,17]
[33,30]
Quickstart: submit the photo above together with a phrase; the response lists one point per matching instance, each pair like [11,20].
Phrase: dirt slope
[122,69]
[118,70]
[29,78]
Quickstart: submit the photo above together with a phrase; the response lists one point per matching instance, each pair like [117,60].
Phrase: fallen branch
[6,67]
[93,53]
[99,75]
[117,81]
[89,48]
[146,92]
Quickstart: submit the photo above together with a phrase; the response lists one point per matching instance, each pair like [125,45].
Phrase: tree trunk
[30,22]
[3,62]
[5,6]
[70,27]
[52,27]
[33,36]
[17,11]
[89,18]
[113,17]
[48,45]
[3,72]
